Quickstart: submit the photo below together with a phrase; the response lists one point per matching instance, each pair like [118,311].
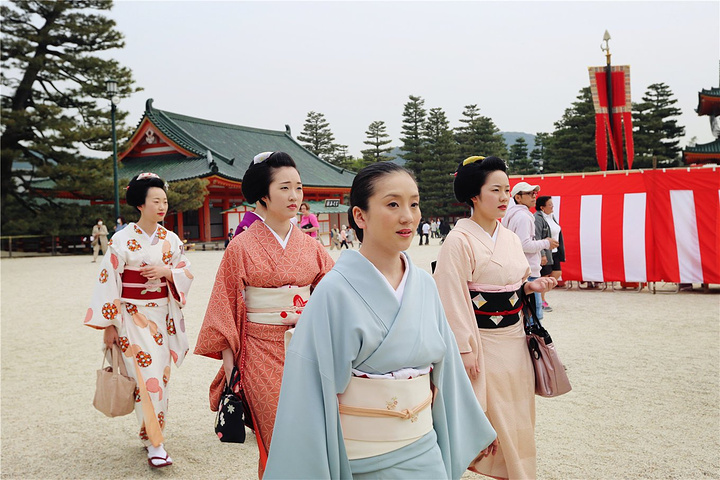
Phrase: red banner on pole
[612,129]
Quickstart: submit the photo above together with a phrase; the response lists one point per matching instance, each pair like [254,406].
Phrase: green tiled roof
[231,147]
[711,92]
[712,147]
[171,167]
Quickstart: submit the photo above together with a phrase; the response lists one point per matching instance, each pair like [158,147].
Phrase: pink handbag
[550,377]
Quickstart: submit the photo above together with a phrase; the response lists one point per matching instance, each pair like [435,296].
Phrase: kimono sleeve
[452,274]
[222,325]
[307,439]
[325,263]
[182,276]
[105,305]
[462,428]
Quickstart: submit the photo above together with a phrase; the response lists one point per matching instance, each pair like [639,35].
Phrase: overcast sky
[267,64]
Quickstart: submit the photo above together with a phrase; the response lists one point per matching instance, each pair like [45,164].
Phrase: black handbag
[230,419]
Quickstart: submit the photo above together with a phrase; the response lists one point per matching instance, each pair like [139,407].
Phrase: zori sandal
[164,461]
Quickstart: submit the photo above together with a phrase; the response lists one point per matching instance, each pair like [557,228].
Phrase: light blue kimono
[353,320]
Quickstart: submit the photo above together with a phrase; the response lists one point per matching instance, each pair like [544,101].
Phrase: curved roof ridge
[214,123]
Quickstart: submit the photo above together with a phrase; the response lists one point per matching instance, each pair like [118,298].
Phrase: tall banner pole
[608,89]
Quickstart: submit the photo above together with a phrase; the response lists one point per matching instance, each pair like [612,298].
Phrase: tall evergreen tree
[317,136]
[537,156]
[439,161]
[54,103]
[479,135]
[519,163]
[414,115]
[656,130]
[377,138]
[340,156]
[571,147]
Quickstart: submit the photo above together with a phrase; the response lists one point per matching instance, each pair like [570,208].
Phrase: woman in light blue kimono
[373,385]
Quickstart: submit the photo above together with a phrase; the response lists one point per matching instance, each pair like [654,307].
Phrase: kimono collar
[367,281]
[471,228]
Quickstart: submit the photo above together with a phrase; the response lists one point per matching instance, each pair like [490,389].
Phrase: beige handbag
[114,390]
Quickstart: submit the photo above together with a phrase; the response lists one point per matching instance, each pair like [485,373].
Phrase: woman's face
[548,208]
[285,194]
[393,213]
[494,196]
[303,210]
[155,206]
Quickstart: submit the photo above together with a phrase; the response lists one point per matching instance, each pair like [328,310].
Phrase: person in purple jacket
[249,218]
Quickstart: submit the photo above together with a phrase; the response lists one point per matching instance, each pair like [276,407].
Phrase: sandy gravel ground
[645,370]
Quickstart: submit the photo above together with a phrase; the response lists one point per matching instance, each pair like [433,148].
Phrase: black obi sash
[497,309]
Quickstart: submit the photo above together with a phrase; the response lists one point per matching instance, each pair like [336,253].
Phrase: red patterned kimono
[255,258]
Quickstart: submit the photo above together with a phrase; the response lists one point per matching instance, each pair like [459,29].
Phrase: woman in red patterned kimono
[262,284]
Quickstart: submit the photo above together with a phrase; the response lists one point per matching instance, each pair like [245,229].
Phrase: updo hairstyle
[363,187]
[258,177]
[470,178]
[136,192]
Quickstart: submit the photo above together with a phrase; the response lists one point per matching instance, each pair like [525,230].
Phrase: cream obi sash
[276,306]
[382,415]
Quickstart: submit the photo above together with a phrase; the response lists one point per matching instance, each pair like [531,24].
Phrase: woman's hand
[470,363]
[541,285]
[154,272]
[228,364]
[110,336]
[490,450]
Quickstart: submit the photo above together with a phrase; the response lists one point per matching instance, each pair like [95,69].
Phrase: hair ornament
[470,160]
[261,157]
[147,175]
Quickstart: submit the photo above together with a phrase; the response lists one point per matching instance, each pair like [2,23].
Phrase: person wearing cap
[520,219]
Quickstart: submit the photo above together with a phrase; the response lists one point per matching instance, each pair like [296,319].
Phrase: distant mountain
[510,138]
[396,152]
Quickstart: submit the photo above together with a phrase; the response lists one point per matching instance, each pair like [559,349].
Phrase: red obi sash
[137,287]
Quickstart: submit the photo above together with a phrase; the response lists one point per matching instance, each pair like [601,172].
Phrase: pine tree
[571,147]
[656,131]
[317,136]
[377,137]
[518,160]
[537,156]
[414,115]
[439,162]
[54,103]
[479,135]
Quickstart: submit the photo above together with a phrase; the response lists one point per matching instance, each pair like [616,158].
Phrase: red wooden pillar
[180,226]
[205,221]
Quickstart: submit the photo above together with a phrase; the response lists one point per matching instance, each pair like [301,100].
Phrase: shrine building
[179,147]
[708,104]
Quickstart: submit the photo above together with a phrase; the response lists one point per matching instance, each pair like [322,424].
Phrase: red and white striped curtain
[638,226]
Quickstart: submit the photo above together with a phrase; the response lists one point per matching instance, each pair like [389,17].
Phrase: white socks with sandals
[161,457]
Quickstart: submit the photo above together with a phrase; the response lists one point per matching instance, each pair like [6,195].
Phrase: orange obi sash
[137,287]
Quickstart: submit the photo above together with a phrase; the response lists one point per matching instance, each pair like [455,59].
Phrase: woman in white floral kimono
[143,284]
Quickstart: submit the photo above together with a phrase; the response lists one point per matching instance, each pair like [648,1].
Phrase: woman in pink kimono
[261,287]
[142,286]
[481,275]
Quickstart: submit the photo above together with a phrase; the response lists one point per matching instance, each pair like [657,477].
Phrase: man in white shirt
[425,233]
[520,220]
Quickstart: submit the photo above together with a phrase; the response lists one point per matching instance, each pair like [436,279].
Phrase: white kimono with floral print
[151,331]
